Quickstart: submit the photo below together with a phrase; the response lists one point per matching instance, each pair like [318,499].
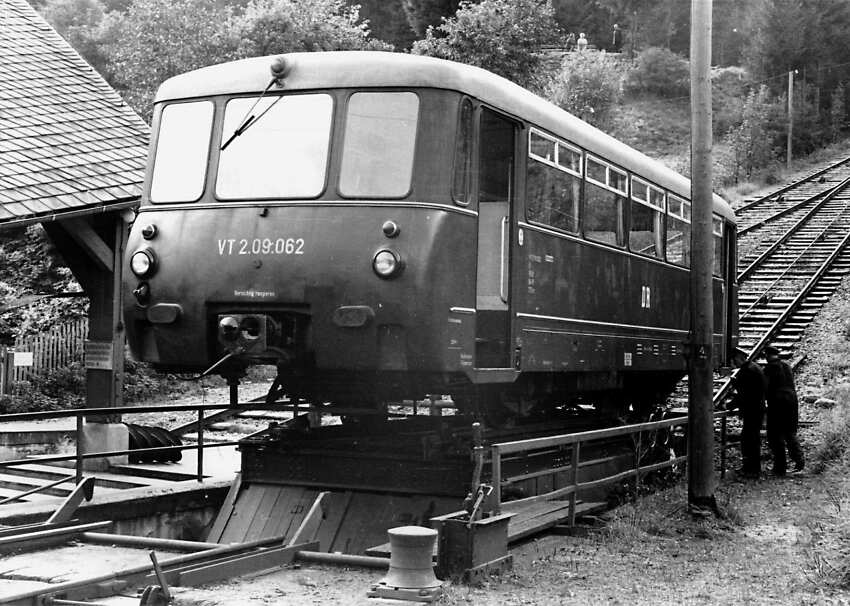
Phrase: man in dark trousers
[782,412]
[616,39]
[750,384]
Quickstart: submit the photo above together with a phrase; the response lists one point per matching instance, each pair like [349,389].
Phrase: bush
[502,36]
[752,143]
[63,382]
[588,86]
[661,72]
[141,381]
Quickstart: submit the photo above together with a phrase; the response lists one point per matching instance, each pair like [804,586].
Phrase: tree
[728,32]
[808,37]
[838,111]
[782,33]
[79,23]
[422,14]
[157,39]
[660,72]
[587,86]
[280,26]
[387,21]
[582,16]
[752,143]
[503,36]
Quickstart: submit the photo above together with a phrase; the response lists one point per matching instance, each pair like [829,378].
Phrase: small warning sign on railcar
[99,355]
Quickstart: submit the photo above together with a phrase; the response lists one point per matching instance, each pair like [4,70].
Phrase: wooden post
[638,446]
[4,373]
[790,117]
[496,479]
[701,481]
[93,248]
[200,445]
[574,473]
[724,430]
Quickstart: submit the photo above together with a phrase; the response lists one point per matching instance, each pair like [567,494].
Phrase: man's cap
[737,351]
[770,350]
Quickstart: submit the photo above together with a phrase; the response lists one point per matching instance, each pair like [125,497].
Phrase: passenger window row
[660,222]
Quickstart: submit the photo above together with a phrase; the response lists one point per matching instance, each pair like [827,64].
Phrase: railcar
[382,226]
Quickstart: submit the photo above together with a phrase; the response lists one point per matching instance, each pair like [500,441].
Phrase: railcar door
[496,145]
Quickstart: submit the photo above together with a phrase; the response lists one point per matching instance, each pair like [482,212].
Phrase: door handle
[503,270]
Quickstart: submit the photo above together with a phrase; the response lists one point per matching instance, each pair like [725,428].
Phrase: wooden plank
[254,562]
[69,506]
[290,508]
[337,507]
[309,527]
[274,523]
[536,517]
[265,511]
[298,511]
[242,515]
[84,235]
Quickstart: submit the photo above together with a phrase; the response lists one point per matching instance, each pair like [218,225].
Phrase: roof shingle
[68,142]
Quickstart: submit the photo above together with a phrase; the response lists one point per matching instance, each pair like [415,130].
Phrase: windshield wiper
[241,129]
[250,118]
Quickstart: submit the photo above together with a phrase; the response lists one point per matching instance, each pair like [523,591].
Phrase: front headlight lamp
[143,263]
[387,264]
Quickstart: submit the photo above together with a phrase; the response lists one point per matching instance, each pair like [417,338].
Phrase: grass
[828,554]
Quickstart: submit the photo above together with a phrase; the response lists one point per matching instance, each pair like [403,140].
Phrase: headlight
[143,263]
[387,264]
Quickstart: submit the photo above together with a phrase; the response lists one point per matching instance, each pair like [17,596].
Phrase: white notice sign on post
[99,355]
[22,358]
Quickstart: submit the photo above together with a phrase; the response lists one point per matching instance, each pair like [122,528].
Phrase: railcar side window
[380,135]
[284,153]
[717,231]
[646,231]
[553,182]
[605,197]
[462,181]
[678,231]
[182,149]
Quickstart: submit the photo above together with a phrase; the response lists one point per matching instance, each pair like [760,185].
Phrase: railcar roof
[365,69]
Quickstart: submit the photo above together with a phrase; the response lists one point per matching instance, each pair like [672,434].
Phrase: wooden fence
[37,355]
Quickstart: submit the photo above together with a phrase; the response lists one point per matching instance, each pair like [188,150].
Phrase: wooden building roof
[69,145]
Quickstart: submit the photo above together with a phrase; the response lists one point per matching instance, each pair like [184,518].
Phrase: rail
[574,442]
[790,186]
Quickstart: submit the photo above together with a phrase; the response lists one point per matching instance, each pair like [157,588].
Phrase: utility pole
[790,117]
[701,480]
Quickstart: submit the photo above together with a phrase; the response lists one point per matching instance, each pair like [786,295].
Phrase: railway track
[793,255]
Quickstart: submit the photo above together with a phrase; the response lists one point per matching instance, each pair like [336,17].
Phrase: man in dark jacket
[782,412]
[750,384]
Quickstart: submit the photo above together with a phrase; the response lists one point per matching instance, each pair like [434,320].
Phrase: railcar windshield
[180,160]
[380,137]
[285,152]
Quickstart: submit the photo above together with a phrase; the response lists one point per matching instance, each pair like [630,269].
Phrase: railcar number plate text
[261,246]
